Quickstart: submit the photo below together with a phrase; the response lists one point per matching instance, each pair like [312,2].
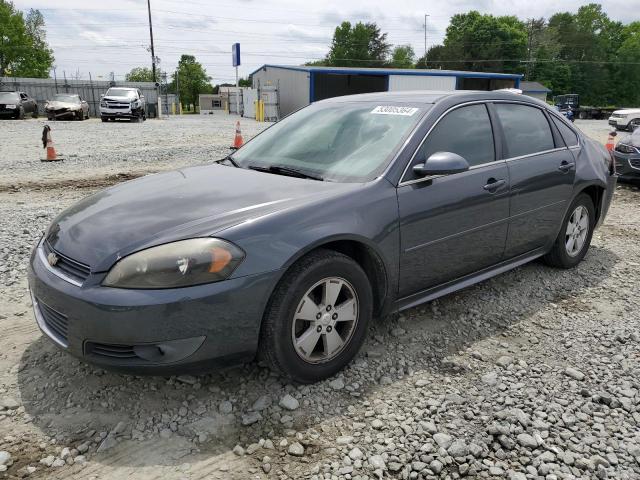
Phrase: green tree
[359,45]
[245,82]
[141,74]
[23,47]
[482,43]
[192,80]
[403,56]
[628,71]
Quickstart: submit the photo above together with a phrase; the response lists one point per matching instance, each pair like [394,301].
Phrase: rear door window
[526,129]
[568,135]
[466,131]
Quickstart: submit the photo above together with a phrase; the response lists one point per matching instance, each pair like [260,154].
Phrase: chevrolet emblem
[52,258]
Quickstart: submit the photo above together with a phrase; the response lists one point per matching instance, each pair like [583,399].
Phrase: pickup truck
[122,102]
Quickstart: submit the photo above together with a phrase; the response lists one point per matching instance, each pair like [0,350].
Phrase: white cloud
[91,35]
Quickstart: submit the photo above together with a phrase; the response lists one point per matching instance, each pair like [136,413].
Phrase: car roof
[431,97]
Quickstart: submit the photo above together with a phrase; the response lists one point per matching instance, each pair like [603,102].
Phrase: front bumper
[62,113]
[5,113]
[627,164]
[618,122]
[120,112]
[151,331]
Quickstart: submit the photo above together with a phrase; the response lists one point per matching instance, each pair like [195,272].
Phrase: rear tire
[572,244]
[308,290]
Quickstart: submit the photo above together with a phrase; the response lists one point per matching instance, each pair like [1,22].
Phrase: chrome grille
[635,163]
[76,270]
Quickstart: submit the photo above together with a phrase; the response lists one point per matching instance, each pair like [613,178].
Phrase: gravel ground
[93,150]
[533,374]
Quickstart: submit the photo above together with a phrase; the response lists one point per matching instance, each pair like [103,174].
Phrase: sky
[103,37]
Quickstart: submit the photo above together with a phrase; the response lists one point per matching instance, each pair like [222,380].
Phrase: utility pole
[178,91]
[153,53]
[529,48]
[425,37]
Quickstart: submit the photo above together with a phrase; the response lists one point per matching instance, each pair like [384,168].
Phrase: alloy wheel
[577,230]
[325,320]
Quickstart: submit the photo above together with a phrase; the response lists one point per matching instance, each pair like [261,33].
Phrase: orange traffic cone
[237,141]
[47,142]
[610,141]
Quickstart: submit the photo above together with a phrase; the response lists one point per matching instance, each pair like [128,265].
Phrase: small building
[299,86]
[535,90]
[210,102]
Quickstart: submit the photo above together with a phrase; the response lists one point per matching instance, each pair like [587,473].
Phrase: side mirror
[102,95]
[441,163]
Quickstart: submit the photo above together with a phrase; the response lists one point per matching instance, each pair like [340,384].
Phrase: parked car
[121,102]
[17,105]
[627,119]
[67,105]
[348,209]
[627,156]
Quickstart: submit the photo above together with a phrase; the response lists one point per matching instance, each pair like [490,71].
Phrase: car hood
[55,105]
[632,139]
[627,111]
[156,209]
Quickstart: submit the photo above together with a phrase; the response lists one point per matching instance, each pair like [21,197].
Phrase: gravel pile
[534,374]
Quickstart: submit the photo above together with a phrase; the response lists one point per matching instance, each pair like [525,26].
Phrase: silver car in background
[66,106]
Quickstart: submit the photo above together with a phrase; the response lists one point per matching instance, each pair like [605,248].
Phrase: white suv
[626,119]
[121,102]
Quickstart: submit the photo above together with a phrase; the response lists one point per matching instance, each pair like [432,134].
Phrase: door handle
[493,184]
[566,166]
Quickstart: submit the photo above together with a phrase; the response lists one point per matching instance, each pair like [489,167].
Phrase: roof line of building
[393,71]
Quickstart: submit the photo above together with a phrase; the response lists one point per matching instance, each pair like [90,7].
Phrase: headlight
[178,264]
[10,107]
[103,104]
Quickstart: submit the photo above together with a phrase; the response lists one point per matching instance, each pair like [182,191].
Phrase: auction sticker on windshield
[393,110]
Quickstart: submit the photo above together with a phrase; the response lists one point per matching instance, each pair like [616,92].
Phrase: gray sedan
[348,209]
[627,155]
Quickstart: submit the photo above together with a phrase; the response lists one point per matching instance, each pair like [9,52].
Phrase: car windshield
[121,92]
[66,98]
[342,142]
[6,97]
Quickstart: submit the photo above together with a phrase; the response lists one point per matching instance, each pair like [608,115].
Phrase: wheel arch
[364,253]
[596,193]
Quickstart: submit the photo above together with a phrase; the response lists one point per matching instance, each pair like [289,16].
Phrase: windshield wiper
[281,170]
[230,159]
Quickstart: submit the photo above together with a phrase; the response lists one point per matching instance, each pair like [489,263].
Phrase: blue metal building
[299,86]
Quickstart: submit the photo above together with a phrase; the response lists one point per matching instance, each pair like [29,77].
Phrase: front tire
[317,318]
[574,238]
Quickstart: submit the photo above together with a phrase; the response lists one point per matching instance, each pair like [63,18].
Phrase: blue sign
[235,54]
